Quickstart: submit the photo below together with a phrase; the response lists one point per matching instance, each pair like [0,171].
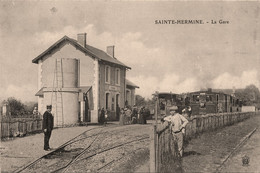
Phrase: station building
[78,80]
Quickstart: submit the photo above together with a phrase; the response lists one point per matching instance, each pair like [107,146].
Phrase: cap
[49,106]
[173,108]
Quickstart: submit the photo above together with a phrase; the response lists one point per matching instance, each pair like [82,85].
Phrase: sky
[163,57]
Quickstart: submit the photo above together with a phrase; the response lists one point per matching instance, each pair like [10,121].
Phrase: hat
[173,108]
[49,106]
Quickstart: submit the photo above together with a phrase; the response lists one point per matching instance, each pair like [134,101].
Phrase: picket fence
[15,128]
[163,149]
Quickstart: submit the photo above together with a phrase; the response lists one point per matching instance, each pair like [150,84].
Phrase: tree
[29,106]
[15,107]
[250,96]
[140,101]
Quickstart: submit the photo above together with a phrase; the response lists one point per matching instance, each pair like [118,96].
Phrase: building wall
[86,67]
[70,105]
[111,88]
[91,72]
[130,96]
[84,76]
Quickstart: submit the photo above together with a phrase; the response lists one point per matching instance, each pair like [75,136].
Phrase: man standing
[47,126]
[177,124]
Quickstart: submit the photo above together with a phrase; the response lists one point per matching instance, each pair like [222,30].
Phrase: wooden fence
[163,149]
[14,128]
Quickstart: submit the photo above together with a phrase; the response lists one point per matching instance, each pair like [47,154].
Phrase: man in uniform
[177,124]
[47,126]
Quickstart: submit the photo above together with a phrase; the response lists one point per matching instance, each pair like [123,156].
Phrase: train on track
[199,102]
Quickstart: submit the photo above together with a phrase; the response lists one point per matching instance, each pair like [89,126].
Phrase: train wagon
[166,100]
[205,102]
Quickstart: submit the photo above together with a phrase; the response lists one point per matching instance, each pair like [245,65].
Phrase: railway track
[91,150]
[52,152]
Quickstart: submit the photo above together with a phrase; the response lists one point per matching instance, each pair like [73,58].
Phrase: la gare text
[221,21]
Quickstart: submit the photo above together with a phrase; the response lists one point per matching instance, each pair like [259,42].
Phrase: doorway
[87,115]
[117,107]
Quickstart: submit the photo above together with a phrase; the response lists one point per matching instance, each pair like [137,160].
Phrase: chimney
[82,39]
[110,51]
[209,89]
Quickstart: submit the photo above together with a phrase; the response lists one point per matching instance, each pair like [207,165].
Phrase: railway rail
[95,150]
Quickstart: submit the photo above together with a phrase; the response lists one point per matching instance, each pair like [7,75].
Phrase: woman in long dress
[141,116]
[122,117]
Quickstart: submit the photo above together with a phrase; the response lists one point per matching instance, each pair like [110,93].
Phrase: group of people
[176,121]
[133,116]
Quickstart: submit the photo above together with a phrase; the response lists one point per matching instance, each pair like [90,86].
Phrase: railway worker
[177,124]
[47,125]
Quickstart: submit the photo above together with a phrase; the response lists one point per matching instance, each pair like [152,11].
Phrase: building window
[117,76]
[128,98]
[107,74]
[209,98]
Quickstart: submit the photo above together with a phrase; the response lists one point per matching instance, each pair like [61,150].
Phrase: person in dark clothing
[47,126]
[141,116]
[134,115]
[102,116]
[145,115]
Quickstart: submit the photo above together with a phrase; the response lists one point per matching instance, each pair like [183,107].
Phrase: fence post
[152,149]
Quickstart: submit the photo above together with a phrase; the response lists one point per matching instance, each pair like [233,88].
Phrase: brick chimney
[82,39]
[111,51]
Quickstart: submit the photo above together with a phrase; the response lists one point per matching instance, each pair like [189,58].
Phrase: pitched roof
[92,51]
[228,91]
[85,89]
[166,95]
[40,92]
[129,83]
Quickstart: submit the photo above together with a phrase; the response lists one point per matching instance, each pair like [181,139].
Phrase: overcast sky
[164,57]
